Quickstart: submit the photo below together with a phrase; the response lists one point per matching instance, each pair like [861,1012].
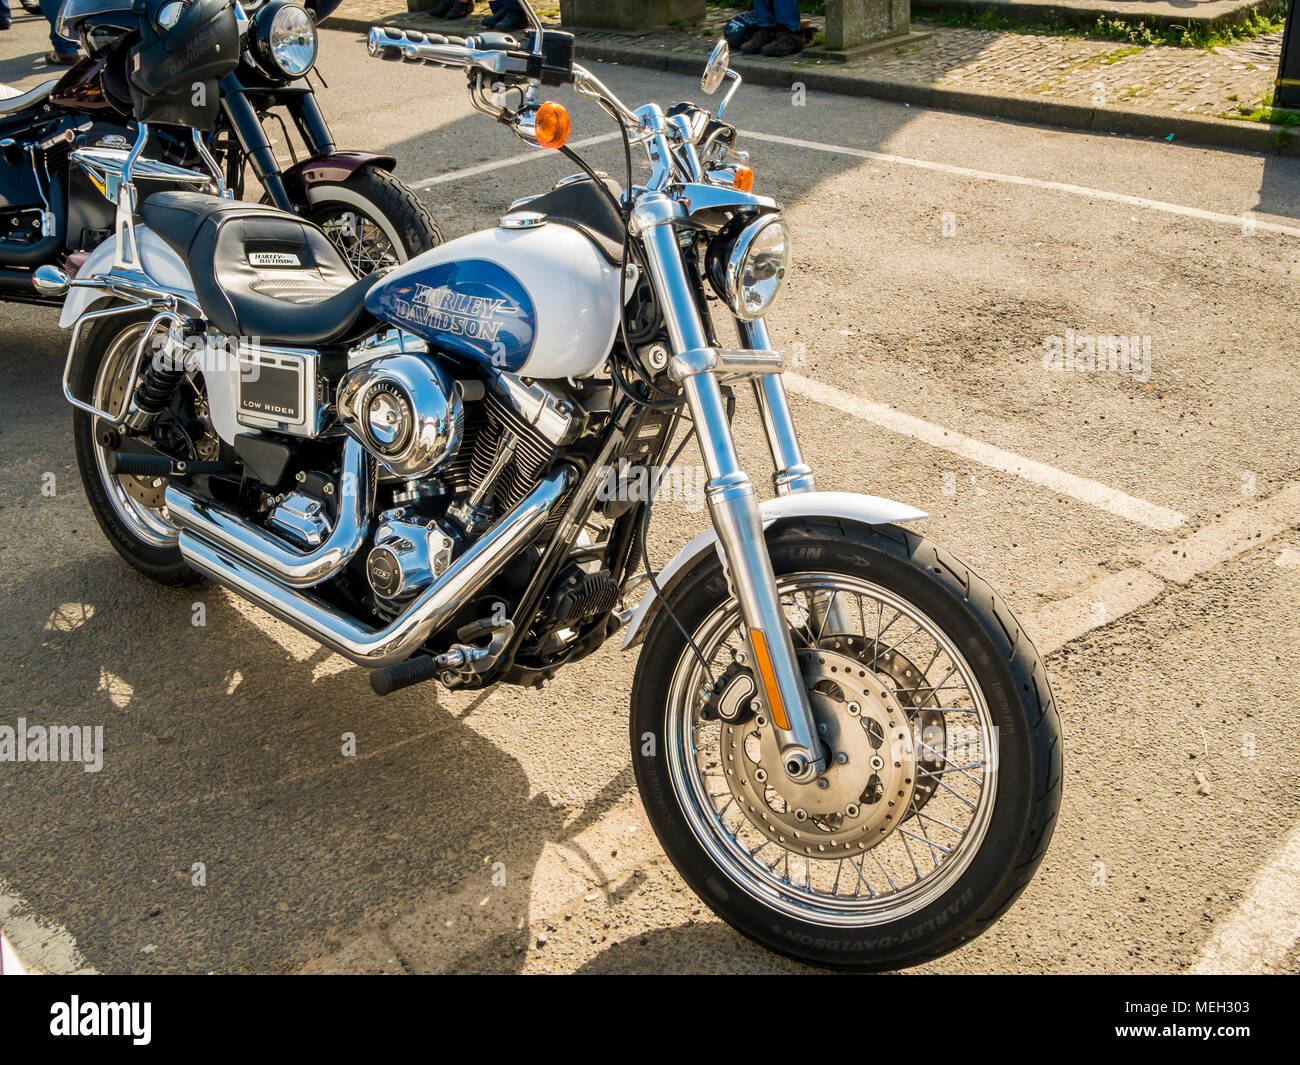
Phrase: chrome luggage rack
[115,171]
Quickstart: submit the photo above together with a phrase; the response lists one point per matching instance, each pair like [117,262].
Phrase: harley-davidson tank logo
[475,317]
[470,308]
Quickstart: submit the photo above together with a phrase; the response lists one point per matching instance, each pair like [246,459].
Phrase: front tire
[934,848]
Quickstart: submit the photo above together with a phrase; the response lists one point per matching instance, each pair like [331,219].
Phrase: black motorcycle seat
[12,101]
[262,272]
[582,206]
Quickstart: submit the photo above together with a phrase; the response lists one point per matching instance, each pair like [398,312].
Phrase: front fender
[331,169]
[848,506]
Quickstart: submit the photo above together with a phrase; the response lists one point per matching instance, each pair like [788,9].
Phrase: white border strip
[1028,182]
[1081,488]
[1262,929]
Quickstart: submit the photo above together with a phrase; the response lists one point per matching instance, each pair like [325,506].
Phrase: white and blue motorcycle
[845,742]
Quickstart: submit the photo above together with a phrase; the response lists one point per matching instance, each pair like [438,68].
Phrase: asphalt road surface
[1142,523]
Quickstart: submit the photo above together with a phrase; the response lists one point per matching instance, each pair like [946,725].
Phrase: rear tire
[139,534]
[1024,788]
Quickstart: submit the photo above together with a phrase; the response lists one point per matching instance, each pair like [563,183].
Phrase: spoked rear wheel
[943,746]
[131,510]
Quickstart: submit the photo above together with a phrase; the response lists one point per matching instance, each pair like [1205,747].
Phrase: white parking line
[40,945]
[1143,202]
[1111,597]
[1081,488]
[1263,928]
[1028,182]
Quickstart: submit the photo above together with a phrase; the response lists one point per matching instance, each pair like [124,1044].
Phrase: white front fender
[868,510]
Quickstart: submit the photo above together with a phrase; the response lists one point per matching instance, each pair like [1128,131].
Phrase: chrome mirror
[718,65]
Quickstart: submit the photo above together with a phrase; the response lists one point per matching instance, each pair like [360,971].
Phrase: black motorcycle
[63,143]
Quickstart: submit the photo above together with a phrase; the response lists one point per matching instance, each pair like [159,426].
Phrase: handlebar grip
[389,42]
[492,40]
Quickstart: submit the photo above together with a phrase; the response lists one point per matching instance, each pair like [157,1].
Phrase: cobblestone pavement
[1224,82]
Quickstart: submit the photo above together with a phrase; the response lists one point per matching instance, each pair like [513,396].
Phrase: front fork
[733,503]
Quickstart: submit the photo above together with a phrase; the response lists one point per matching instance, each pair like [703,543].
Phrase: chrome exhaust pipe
[434,607]
[259,549]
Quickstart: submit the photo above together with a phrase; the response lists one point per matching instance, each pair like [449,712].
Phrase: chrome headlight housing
[747,262]
[285,39]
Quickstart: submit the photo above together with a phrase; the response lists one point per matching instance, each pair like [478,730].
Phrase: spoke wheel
[139,502]
[902,808]
[942,742]
[363,242]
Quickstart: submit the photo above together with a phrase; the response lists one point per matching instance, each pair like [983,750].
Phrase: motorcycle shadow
[710,948]
[257,806]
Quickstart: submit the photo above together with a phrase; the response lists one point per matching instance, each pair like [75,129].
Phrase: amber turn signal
[551,126]
[744,179]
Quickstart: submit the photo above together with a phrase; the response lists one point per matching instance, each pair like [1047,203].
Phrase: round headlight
[747,267]
[288,39]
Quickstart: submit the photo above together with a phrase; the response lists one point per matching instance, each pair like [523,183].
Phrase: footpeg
[138,464]
[460,662]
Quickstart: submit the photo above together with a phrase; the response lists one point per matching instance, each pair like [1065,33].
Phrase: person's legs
[786,38]
[785,15]
[63,47]
[512,17]
[4,15]
[767,28]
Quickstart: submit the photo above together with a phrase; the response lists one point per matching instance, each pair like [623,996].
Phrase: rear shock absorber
[164,370]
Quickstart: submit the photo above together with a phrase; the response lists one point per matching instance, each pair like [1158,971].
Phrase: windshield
[74,13]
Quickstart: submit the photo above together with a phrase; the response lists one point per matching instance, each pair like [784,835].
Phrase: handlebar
[385,42]
[496,62]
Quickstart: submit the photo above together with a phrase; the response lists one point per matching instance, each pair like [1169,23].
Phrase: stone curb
[1040,13]
[1199,130]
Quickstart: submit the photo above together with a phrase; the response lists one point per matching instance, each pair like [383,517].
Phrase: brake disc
[867,789]
[929,726]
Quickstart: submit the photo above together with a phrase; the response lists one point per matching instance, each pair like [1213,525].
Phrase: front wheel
[374,219]
[942,738]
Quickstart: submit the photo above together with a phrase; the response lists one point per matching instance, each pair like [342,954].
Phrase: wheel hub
[919,701]
[868,786]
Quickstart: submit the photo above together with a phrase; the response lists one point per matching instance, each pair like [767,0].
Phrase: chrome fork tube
[791,474]
[733,504]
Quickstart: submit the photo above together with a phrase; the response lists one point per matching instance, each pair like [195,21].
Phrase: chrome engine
[407,555]
[405,410]
[464,451]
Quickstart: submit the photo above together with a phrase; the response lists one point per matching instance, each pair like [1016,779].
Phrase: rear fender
[846,506]
[332,169]
[168,272]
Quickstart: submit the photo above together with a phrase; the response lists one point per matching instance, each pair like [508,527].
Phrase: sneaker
[440,9]
[783,43]
[55,59]
[759,39]
[458,11]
